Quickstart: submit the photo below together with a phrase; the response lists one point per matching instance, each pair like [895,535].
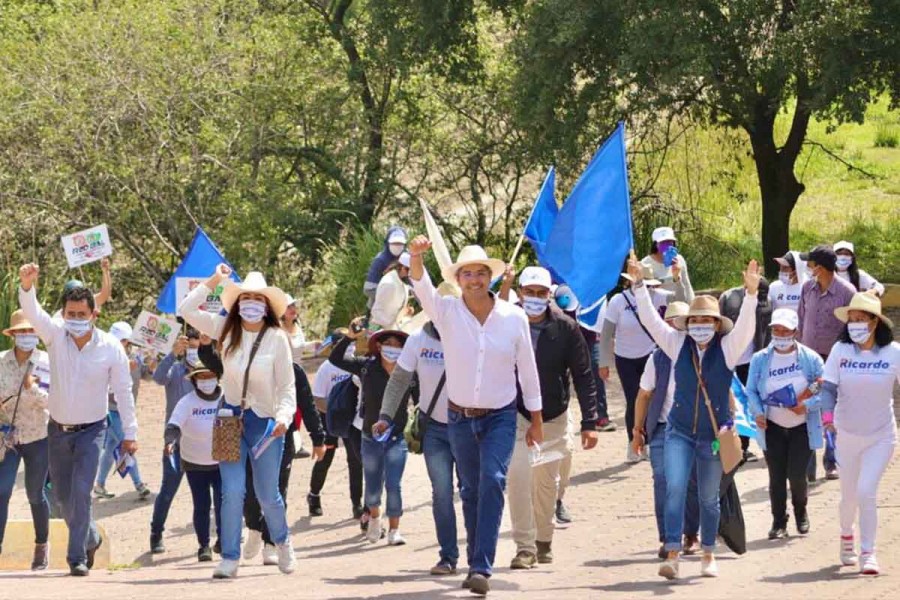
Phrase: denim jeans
[201,483]
[37,463]
[265,483]
[114,436]
[482,447]
[383,465]
[439,463]
[74,458]
[253,516]
[681,453]
[602,410]
[658,466]
[171,481]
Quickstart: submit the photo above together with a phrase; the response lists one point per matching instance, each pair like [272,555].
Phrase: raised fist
[28,275]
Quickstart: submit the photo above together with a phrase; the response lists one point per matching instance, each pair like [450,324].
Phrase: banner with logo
[184,286]
[155,332]
[87,246]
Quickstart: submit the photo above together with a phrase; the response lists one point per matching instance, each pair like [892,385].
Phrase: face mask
[77,328]
[396,249]
[390,353]
[26,342]
[785,278]
[843,262]
[192,356]
[665,245]
[859,332]
[534,307]
[207,386]
[252,311]
[783,343]
[702,333]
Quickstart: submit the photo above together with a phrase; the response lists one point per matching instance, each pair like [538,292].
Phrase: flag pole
[515,253]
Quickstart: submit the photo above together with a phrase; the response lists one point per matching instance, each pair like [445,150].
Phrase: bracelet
[416,253]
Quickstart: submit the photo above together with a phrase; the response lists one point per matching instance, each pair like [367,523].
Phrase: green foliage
[348,267]
[887,136]
[9,302]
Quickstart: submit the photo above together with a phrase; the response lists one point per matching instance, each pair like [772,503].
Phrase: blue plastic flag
[742,421]
[592,234]
[591,317]
[543,216]
[201,260]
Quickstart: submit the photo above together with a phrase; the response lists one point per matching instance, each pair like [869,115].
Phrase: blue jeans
[265,483]
[658,466]
[383,465]
[482,447]
[37,463]
[74,457]
[681,453]
[439,462]
[201,482]
[171,480]
[602,411]
[114,436]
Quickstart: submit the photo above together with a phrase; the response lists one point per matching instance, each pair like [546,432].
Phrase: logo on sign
[87,245]
[156,330]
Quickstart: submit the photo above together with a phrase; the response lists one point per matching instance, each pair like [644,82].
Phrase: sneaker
[92,552]
[832,474]
[364,521]
[478,584]
[803,524]
[523,560]
[562,513]
[778,531]
[227,569]
[645,452]
[143,491]
[750,457]
[669,568]
[287,562]
[691,545]
[41,558]
[270,555]
[632,457]
[79,570]
[373,533]
[848,551]
[301,452]
[544,553]
[253,545]
[606,425]
[394,538]
[156,543]
[204,554]
[100,492]
[708,566]
[443,567]
[315,505]
[663,554]
[867,564]
[217,547]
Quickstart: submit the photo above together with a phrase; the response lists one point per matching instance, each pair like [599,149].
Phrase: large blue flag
[201,260]
[543,216]
[592,234]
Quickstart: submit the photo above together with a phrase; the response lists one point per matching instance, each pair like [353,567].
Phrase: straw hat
[197,369]
[864,302]
[473,255]
[647,273]
[676,310]
[383,333]
[705,306]
[255,283]
[17,322]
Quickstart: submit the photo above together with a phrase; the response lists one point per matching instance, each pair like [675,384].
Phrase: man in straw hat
[485,341]
[85,365]
[705,357]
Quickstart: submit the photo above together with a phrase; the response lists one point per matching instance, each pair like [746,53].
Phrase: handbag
[416,426]
[8,437]
[729,442]
[227,431]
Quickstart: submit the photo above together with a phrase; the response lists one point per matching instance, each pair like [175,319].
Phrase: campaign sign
[184,286]
[42,373]
[87,246]
[154,332]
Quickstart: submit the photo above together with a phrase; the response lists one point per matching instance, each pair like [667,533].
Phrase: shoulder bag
[729,442]
[416,426]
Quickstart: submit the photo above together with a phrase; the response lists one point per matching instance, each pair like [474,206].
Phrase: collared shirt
[481,359]
[819,329]
[82,378]
[32,416]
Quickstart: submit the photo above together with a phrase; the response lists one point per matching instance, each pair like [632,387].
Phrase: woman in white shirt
[848,270]
[263,393]
[859,379]
[785,293]
[290,321]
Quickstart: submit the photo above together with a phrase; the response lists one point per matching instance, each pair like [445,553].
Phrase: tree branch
[850,166]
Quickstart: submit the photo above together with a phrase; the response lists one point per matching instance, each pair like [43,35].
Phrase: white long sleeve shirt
[82,379]
[481,360]
[670,340]
[271,391]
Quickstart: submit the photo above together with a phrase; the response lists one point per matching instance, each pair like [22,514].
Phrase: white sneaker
[631,456]
[867,564]
[253,545]
[394,538]
[669,568]
[227,569]
[848,552]
[287,562]
[708,566]
[645,452]
[373,533]
[270,555]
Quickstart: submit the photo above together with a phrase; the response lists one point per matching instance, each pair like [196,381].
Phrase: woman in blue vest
[705,357]
[782,391]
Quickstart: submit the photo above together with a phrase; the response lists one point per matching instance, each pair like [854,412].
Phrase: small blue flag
[543,216]
[201,260]
[744,425]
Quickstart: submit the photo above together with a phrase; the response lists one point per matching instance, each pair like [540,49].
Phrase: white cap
[661,234]
[535,276]
[121,330]
[397,237]
[786,317]
[844,245]
[404,259]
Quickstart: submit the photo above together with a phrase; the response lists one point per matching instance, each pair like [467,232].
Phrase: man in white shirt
[487,344]
[85,364]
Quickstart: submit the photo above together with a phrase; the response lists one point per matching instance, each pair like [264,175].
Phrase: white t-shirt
[326,378]
[196,417]
[784,370]
[424,355]
[784,296]
[866,281]
[631,341]
[648,382]
[865,381]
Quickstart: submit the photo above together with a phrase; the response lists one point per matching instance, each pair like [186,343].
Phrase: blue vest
[689,414]
[663,365]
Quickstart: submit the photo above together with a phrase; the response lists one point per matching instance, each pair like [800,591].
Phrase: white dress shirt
[82,379]
[481,360]
[271,391]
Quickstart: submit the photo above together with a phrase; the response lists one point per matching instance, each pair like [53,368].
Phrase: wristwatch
[814,388]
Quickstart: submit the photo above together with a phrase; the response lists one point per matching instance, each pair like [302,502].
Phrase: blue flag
[591,317]
[543,216]
[744,425]
[592,234]
[201,260]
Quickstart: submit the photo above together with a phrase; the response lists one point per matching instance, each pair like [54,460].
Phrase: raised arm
[735,343]
[37,316]
[667,338]
[105,293]
[425,291]
[684,292]
[354,364]
[200,320]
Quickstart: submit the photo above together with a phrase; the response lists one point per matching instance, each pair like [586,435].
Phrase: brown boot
[544,554]
[691,545]
[523,560]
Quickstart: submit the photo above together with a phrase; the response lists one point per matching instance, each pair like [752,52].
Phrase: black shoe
[156,543]
[79,570]
[750,457]
[779,530]
[315,505]
[204,554]
[302,453]
[358,512]
[93,552]
[803,524]
[562,513]
[217,547]
[663,554]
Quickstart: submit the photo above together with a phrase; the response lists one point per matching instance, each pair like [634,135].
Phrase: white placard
[155,332]
[87,246]
[42,372]
[183,287]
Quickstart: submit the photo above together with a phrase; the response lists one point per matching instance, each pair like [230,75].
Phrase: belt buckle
[471,413]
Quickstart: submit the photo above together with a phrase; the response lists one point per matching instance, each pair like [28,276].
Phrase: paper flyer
[265,441]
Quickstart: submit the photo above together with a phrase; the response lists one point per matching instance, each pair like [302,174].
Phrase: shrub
[887,136]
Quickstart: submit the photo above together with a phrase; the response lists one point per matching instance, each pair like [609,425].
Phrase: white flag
[437,239]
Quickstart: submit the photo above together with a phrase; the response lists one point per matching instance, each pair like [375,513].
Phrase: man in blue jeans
[487,344]
[85,363]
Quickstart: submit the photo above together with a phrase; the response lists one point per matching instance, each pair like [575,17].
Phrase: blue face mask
[390,353]
[859,332]
[252,311]
[701,333]
[534,307]
[26,342]
[77,327]
[192,356]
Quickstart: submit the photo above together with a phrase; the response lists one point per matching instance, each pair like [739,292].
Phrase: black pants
[630,371]
[252,511]
[787,455]
[354,469]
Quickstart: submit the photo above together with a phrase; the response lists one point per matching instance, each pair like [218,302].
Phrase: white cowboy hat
[705,306]
[864,302]
[255,283]
[473,255]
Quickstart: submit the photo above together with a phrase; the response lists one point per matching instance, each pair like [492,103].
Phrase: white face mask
[396,249]
[534,307]
[390,353]
[252,311]
[702,332]
[843,262]
[26,342]
[783,343]
[77,327]
[859,332]
[192,356]
[785,278]
[207,386]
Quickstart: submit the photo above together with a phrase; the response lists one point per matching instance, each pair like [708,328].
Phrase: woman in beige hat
[860,375]
[23,432]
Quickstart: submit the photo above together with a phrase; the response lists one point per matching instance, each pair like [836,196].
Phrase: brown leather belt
[470,413]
